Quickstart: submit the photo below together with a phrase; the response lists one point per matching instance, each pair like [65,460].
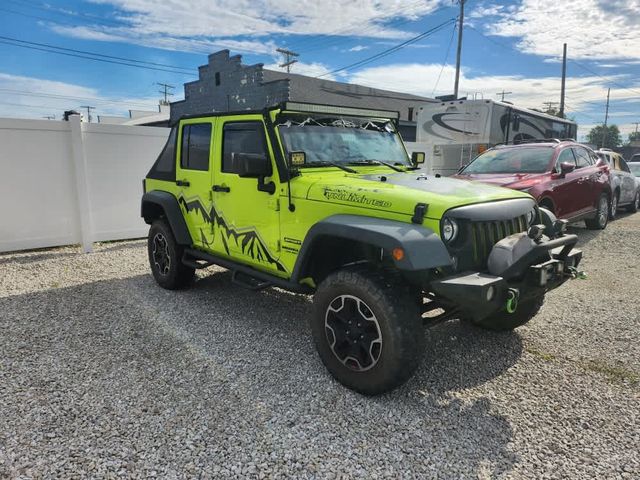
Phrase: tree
[634,137]
[612,137]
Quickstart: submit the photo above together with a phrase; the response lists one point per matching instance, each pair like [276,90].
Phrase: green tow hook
[512,300]
[575,273]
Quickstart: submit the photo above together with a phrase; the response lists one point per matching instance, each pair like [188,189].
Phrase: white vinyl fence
[65,183]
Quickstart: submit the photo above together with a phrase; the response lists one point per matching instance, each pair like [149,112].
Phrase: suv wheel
[508,321]
[165,258]
[635,205]
[614,206]
[599,222]
[367,328]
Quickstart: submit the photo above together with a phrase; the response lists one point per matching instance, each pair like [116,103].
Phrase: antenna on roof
[288,58]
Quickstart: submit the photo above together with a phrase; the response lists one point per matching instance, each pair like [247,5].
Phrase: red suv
[567,178]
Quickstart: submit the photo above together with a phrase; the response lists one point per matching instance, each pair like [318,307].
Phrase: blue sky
[512,45]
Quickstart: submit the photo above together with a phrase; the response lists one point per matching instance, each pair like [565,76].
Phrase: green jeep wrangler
[324,200]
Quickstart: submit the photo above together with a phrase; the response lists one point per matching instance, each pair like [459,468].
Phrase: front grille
[484,235]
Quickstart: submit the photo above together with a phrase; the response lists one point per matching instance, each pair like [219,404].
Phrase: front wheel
[635,205]
[508,321]
[367,329]
[599,222]
[614,206]
[165,258]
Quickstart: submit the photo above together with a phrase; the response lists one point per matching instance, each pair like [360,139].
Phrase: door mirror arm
[268,187]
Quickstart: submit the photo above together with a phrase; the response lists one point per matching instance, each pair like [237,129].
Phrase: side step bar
[242,275]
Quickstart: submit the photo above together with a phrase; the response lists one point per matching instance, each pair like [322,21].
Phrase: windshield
[343,141]
[635,168]
[512,160]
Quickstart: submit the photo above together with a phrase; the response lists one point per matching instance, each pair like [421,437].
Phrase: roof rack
[543,140]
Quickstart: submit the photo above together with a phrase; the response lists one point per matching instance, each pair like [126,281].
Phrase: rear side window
[244,137]
[623,166]
[582,157]
[165,166]
[196,145]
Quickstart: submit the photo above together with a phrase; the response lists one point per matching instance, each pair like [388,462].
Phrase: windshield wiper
[377,162]
[330,164]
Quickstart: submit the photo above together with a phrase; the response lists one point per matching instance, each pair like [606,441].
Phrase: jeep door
[247,218]
[193,176]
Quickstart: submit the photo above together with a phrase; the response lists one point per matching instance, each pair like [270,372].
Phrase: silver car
[624,184]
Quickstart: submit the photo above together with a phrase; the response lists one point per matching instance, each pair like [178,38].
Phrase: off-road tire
[173,274]
[504,321]
[599,222]
[392,303]
[634,206]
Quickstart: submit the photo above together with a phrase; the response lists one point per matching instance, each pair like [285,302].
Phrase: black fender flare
[156,199]
[423,249]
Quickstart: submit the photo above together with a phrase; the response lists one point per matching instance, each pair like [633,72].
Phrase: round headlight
[449,230]
[531,217]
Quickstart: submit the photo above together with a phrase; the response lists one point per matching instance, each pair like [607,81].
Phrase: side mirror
[417,158]
[567,168]
[251,165]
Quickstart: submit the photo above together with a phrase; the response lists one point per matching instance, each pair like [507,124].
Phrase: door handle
[182,183]
[220,188]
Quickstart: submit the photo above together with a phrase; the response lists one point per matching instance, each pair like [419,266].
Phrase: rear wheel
[635,205]
[508,321]
[367,328]
[165,258]
[599,222]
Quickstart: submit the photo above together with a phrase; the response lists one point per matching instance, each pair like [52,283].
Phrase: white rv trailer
[453,133]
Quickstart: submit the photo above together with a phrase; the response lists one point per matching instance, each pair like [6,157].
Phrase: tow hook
[513,294]
[575,273]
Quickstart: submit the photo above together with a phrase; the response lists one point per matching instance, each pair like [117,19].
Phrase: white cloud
[314,69]
[242,25]
[358,48]
[30,97]
[593,29]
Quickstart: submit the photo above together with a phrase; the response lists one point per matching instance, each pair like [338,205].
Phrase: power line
[608,79]
[391,50]
[101,55]
[166,91]
[66,13]
[446,59]
[54,96]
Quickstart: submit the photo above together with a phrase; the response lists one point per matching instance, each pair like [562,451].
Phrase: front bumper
[546,266]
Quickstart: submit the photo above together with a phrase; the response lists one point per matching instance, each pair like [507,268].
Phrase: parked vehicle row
[567,178]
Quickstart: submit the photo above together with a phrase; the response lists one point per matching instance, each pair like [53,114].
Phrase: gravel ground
[104,374]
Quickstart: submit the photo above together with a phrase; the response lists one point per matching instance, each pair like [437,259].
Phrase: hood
[400,192]
[510,180]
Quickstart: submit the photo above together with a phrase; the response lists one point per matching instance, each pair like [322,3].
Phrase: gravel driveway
[104,374]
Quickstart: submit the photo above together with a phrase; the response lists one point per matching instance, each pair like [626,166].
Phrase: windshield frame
[548,169]
[287,120]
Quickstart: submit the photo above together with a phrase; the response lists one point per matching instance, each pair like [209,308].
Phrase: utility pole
[288,58]
[459,54]
[502,94]
[606,118]
[636,124]
[89,108]
[166,92]
[564,79]
[549,106]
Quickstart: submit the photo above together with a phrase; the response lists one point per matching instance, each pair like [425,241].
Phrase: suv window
[582,157]
[623,165]
[165,166]
[242,137]
[196,146]
[566,156]
[594,157]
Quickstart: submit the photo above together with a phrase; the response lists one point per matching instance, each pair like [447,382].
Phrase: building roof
[303,88]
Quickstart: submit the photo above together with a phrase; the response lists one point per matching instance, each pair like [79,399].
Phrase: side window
[242,137]
[165,166]
[623,166]
[594,157]
[582,157]
[566,156]
[196,145]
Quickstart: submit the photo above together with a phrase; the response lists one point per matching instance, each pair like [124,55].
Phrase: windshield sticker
[347,196]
